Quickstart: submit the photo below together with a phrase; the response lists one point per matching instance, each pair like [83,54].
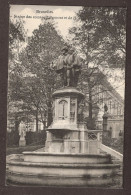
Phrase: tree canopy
[43,48]
[32,78]
[101,35]
[100,38]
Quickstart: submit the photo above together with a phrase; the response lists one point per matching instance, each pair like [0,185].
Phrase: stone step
[115,161]
[66,168]
[66,158]
[41,180]
[27,169]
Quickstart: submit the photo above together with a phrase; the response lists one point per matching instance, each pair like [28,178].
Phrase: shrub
[13,138]
[32,138]
[35,137]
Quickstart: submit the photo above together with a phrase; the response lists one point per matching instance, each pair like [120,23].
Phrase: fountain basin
[61,169]
[40,180]
[46,157]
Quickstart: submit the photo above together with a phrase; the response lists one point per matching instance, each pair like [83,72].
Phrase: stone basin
[18,179]
[46,157]
[41,168]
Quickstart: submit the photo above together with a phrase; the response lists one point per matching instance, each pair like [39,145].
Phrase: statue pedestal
[22,141]
[66,134]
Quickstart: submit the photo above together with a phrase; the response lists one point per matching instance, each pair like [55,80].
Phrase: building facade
[106,94]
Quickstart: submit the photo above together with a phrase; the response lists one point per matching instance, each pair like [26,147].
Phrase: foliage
[114,143]
[15,32]
[17,36]
[12,138]
[100,39]
[15,72]
[39,80]
[90,83]
[102,35]
[32,138]
[32,78]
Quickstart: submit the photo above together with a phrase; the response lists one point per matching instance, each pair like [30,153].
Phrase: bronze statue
[69,65]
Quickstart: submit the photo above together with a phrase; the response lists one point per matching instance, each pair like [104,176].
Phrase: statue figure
[68,65]
[105,108]
[22,130]
[22,133]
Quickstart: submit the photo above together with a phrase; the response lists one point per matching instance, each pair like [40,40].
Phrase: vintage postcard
[66,87]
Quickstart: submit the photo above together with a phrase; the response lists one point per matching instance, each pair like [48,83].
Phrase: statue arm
[59,64]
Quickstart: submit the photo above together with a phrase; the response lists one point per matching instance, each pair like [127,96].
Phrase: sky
[64,19]
[62,25]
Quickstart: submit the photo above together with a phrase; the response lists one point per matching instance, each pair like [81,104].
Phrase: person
[69,65]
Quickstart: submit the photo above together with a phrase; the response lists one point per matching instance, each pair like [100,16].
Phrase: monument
[67,133]
[71,156]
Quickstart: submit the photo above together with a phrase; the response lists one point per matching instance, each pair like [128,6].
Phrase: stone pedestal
[22,141]
[66,134]
[105,118]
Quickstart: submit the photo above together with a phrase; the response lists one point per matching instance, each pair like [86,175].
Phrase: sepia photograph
[66,94]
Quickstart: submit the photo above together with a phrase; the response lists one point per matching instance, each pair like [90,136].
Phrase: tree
[43,49]
[16,37]
[89,80]
[15,72]
[100,39]
[102,35]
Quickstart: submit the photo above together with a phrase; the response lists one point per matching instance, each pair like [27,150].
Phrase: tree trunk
[37,120]
[91,125]
[90,111]
[16,133]
[17,122]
